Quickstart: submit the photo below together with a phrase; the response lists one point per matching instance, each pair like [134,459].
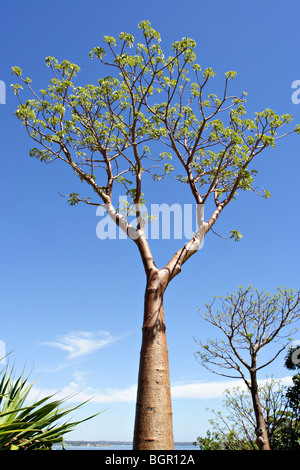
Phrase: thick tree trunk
[153,421]
[262,439]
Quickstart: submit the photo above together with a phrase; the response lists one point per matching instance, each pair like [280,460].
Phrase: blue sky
[71,304]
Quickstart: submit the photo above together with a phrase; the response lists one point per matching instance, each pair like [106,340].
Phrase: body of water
[122,447]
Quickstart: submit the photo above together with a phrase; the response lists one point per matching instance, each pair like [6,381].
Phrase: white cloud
[81,343]
[206,390]
[202,390]
[114,395]
[76,392]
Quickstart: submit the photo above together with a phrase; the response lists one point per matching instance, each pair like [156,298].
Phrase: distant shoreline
[110,443]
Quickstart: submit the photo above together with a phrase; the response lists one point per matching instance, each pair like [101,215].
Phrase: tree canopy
[106,132]
[249,320]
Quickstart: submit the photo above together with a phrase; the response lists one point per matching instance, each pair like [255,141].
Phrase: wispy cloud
[81,343]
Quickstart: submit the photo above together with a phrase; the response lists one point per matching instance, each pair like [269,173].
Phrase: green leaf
[73,199]
[267,194]
[16,88]
[231,74]
[99,52]
[128,38]
[110,40]
[16,71]
[237,236]
[208,72]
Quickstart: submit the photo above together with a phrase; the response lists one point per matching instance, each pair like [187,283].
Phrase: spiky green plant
[31,426]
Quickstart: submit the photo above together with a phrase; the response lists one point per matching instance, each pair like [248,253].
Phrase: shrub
[31,426]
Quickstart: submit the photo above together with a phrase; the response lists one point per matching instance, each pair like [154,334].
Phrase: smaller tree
[236,429]
[250,320]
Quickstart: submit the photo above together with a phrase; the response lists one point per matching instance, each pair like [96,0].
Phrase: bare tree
[103,132]
[250,320]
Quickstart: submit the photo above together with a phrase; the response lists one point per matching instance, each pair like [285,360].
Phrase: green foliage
[212,441]
[293,395]
[236,429]
[287,437]
[237,236]
[215,441]
[287,433]
[30,426]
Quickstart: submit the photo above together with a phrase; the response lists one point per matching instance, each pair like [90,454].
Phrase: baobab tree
[250,320]
[109,134]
